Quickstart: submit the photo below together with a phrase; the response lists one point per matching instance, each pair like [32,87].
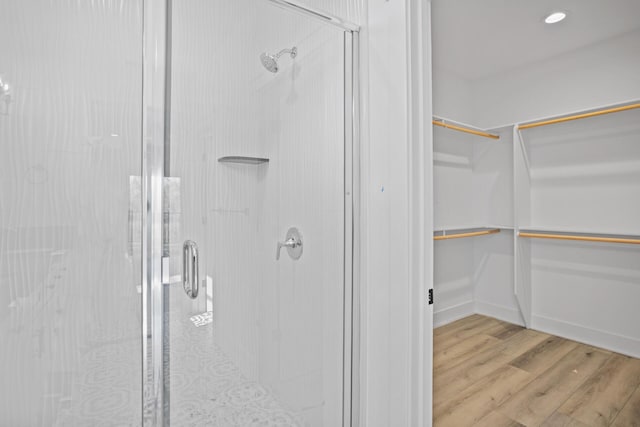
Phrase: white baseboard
[451,314]
[607,340]
[506,314]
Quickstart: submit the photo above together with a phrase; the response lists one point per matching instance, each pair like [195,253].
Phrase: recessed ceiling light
[555,17]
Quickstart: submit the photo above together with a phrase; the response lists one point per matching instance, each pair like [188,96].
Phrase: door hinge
[430,296]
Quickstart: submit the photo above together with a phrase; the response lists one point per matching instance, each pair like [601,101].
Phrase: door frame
[155,134]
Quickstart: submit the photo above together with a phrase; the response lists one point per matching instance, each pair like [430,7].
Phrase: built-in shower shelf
[243,160]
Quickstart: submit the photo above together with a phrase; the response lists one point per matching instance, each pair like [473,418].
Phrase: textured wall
[279,322]
[351,10]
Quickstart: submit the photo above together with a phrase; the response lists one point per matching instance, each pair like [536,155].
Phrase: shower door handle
[190,274]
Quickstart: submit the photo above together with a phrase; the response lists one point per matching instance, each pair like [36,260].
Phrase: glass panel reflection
[70,132]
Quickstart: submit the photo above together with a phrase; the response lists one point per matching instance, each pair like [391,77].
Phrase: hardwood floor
[494,374]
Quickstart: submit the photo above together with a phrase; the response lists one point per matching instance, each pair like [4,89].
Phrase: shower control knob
[293,243]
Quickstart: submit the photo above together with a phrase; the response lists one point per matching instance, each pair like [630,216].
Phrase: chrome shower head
[270,61]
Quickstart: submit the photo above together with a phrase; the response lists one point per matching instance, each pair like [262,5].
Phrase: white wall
[453,170]
[475,275]
[587,292]
[493,277]
[452,96]
[473,188]
[584,177]
[453,280]
[601,74]
[388,293]
[453,206]
[492,187]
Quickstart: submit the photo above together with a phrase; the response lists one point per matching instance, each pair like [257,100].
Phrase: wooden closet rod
[467,130]
[461,235]
[581,238]
[579,116]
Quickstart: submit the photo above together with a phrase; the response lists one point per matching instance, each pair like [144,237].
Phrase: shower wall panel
[70,132]
[351,10]
[279,323]
[302,321]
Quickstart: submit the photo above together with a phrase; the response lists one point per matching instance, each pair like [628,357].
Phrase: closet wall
[600,74]
[580,177]
[583,177]
[473,179]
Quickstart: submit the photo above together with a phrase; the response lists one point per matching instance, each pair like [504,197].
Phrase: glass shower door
[255,178]
[70,213]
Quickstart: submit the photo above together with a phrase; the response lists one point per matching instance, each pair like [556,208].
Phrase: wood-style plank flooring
[493,374]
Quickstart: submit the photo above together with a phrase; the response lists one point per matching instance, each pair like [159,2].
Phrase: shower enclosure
[177,215]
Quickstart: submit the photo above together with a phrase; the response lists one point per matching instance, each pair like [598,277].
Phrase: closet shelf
[243,160]
[462,128]
[469,234]
[578,231]
[579,116]
[584,237]
[464,228]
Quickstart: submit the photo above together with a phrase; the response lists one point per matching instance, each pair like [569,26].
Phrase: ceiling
[477,38]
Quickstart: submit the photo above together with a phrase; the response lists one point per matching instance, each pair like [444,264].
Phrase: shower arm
[293,52]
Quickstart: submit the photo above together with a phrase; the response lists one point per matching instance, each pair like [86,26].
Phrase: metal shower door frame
[155,104]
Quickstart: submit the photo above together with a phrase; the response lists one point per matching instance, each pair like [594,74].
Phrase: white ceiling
[477,38]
